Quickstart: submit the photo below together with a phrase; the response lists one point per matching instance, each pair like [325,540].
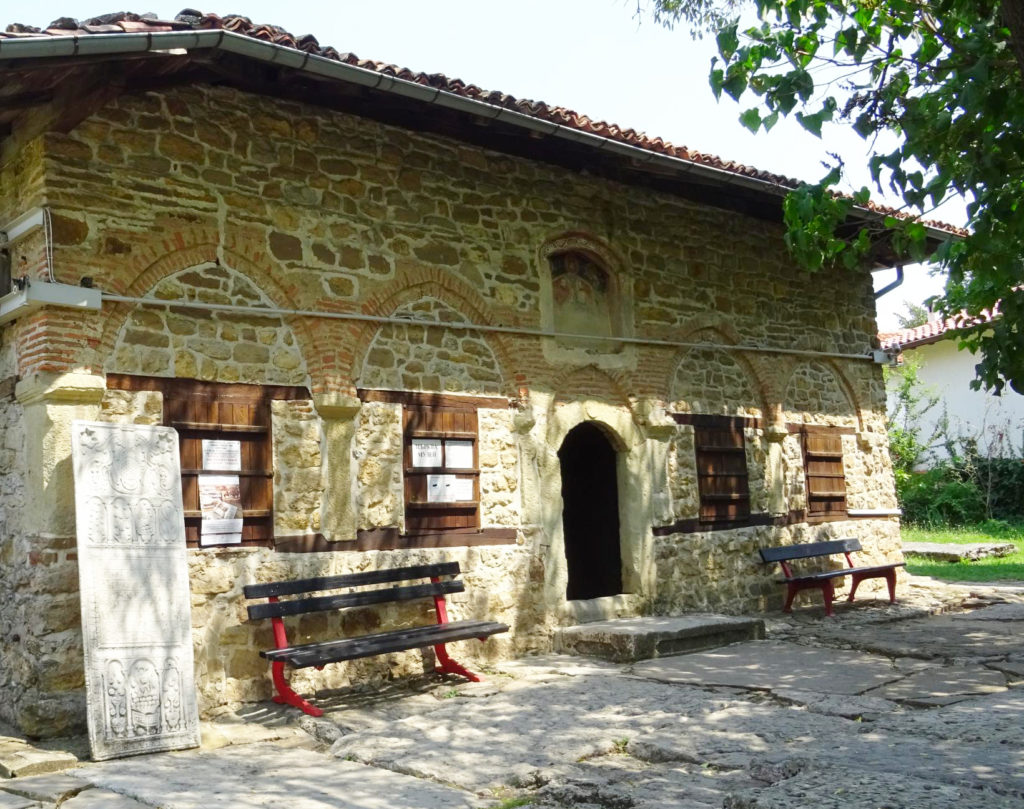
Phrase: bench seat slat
[288,588]
[846,571]
[316,654]
[298,606]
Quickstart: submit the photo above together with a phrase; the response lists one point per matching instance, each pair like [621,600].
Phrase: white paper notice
[458,454]
[461,489]
[439,488]
[426,452]
[220,502]
[224,456]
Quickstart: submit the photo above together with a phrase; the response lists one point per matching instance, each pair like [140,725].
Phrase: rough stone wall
[132,407]
[14,547]
[417,358]
[41,676]
[499,469]
[815,395]
[757,459]
[795,486]
[208,345]
[682,474]
[712,381]
[224,197]
[377,455]
[298,463]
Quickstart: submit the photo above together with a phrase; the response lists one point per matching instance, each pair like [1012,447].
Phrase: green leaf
[728,41]
[751,119]
[812,123]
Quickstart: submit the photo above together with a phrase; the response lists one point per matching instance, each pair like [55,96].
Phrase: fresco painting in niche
[581,295]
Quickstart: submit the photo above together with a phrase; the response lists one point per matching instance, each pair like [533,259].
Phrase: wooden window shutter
[450,426]
[722,476]
[199,412]
[823,466]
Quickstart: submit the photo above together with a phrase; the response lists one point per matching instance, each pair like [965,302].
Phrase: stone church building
[626,385]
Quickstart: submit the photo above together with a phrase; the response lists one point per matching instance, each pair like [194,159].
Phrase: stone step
[955,552]
[624,640]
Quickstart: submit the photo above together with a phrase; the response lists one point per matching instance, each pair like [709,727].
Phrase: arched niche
[714,381]
[586,300]
[818,394]
[430,358]
[209,345]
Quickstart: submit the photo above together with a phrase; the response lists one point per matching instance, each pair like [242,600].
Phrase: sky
[598,57]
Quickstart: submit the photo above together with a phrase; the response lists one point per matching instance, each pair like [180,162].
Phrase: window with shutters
[823,471]
[722,477]
[224,435]
[442,476]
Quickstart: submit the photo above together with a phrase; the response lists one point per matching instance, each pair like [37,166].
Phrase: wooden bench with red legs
[362,593]
[824,580]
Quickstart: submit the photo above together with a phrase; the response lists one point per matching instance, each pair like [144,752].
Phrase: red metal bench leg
[853,586]
[791,591]
[828,592]
[286,696]
[890,579]
[449,666]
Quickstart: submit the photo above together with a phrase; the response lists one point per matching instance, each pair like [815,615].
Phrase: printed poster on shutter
[426,452]
[220,503]
[224,456]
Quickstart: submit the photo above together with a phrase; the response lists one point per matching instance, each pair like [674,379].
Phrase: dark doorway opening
[590,513]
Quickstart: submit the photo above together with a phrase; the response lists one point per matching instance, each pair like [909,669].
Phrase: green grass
[1006,568]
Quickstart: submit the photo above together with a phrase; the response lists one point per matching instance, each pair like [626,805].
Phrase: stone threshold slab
[625,640]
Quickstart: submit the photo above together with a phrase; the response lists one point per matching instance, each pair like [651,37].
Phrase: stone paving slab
[103,799]
[834,788]
[19,759]
[970,636]
[996,720]
[257,776]
[844,705]
[996,612]
[623,781]
[768,665]
[46,788]
[943,685]
[508,738]
[953,552]
[11,801]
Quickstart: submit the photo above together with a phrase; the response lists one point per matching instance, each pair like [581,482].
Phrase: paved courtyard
[884,706]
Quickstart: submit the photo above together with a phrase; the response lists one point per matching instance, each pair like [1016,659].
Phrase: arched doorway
[590,513]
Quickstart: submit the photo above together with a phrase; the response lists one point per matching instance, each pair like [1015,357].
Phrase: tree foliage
[913,315]
[945,77]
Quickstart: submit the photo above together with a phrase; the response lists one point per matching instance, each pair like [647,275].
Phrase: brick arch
[845,386]
[596,382]
[211,252]
[754,368]
[430,283]
[578,240]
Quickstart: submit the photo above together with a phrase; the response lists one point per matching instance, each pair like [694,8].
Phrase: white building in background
[995,422]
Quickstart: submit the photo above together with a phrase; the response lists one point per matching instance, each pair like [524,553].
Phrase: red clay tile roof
[930,332]
[190,19]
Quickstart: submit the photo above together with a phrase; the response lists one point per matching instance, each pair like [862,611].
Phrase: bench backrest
[380,595]
[806,551]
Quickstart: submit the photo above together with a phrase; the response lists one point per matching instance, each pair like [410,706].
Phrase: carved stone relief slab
[133,574]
